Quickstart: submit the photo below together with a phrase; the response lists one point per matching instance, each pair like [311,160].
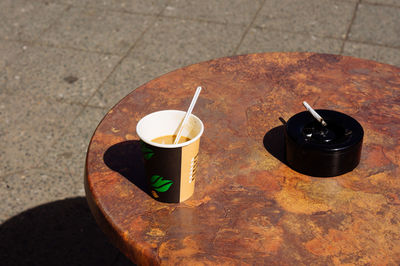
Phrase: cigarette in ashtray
[314,114]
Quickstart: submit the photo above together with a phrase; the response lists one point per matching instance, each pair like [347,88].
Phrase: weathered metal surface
[248,206]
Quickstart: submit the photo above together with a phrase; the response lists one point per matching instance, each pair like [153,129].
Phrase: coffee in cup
[170,168]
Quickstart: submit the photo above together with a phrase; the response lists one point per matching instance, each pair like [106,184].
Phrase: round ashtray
[324,151]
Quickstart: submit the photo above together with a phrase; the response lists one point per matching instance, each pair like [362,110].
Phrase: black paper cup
[170,168]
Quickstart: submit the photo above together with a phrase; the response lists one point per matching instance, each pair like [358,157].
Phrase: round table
[249,207]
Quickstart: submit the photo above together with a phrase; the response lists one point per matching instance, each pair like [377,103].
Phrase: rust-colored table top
[249,207]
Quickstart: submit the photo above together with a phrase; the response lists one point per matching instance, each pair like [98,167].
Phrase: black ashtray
[323,151]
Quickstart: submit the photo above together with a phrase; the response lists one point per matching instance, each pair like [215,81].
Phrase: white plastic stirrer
[189,111]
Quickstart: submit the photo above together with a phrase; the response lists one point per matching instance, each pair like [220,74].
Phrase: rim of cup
[148,141]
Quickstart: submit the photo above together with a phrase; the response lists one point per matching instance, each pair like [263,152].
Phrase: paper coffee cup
[170,168]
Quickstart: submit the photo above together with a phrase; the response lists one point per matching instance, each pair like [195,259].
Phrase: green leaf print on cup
[147,152]
[160,184]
